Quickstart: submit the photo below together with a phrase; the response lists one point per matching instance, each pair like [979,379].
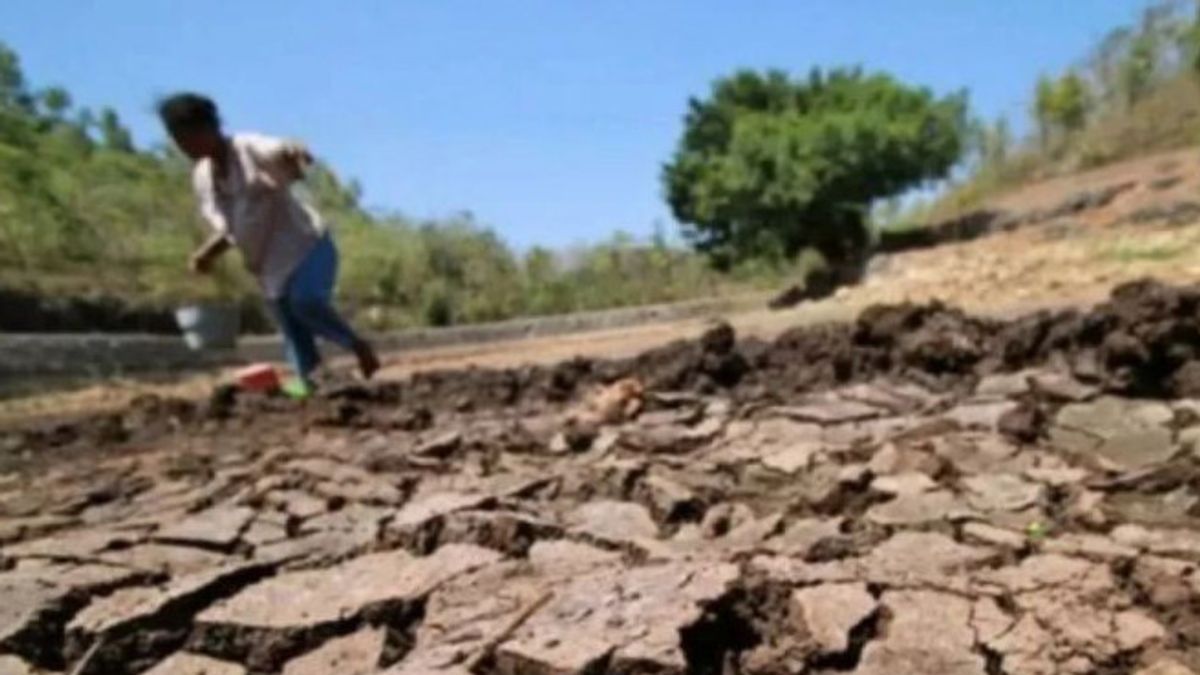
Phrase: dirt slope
[1147,229]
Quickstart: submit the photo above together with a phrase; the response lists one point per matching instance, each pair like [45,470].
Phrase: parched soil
[917,491]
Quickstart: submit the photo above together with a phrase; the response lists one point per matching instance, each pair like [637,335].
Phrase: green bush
[769,165]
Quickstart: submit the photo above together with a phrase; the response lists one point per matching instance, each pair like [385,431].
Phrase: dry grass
[1167,119]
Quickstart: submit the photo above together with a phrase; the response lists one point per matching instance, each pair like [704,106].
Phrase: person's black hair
[189,112]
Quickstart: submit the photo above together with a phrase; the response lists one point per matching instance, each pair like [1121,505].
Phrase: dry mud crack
[916,492]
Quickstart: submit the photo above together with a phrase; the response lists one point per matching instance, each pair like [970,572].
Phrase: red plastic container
[258,377]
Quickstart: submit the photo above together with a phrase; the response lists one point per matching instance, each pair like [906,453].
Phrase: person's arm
[202,258]
[285,160]
[297,159]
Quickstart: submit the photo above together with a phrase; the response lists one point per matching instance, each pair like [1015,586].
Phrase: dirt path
[614,343]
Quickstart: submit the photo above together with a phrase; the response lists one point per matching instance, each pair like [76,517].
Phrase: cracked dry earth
[917,492]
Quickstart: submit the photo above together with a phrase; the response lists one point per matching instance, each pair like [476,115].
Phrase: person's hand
[300,155]
[200,263]
[298,159]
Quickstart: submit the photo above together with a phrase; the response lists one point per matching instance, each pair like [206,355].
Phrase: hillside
[1147,229]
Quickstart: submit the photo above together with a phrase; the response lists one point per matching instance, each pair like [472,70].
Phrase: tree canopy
[769,165]
[1061,105]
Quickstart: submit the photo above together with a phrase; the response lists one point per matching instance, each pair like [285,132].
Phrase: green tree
[1061,106]
[56,101]
[12,79]
[1072,102]
[1043,104]
[1136,71]
[769,165]
[113,133]
[1189,42]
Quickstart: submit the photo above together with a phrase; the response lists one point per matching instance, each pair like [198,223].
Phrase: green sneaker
[296,388]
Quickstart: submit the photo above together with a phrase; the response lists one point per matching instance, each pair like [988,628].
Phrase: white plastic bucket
[209,326]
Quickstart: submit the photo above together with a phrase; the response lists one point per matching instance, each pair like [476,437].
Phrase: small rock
[423,509]
[440,447]
[565,557]
[829,411]
[622,400]
[794,459]
[355,654]
[262,532]
[30,598]
[894,398]
[297,503]
[853,474]
[1057,477]
[908,483]
[1001,492]
[510,532]
[128,606]
[830,611]
[802,535]
[981,415]
[993,536]
[1134,536]
[15,529]
[1124,435]
[724,517]
[1189,440]
[975,453]
[751,533]
[614,521]
[1166,667]
[356,519]
[1061,387]
[218,528]
[1006,385]
[928,633]
[627,618]
[1135,630]
[915,509]
[891,459]
[671,501]
[75,544]
[917,557]
[1022,424]
[1084,545]
[183,663]
[1086,507]
[989,621]
[1178,543]
[282,610]
[1167,582]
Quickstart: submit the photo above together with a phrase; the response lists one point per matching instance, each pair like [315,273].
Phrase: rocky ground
[918,491]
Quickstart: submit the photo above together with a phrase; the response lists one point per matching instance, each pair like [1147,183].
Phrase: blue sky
[548,119]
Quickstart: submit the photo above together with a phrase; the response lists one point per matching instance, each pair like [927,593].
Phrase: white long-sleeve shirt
[253,206]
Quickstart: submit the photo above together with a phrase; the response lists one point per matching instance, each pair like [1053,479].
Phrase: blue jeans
[305,309]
